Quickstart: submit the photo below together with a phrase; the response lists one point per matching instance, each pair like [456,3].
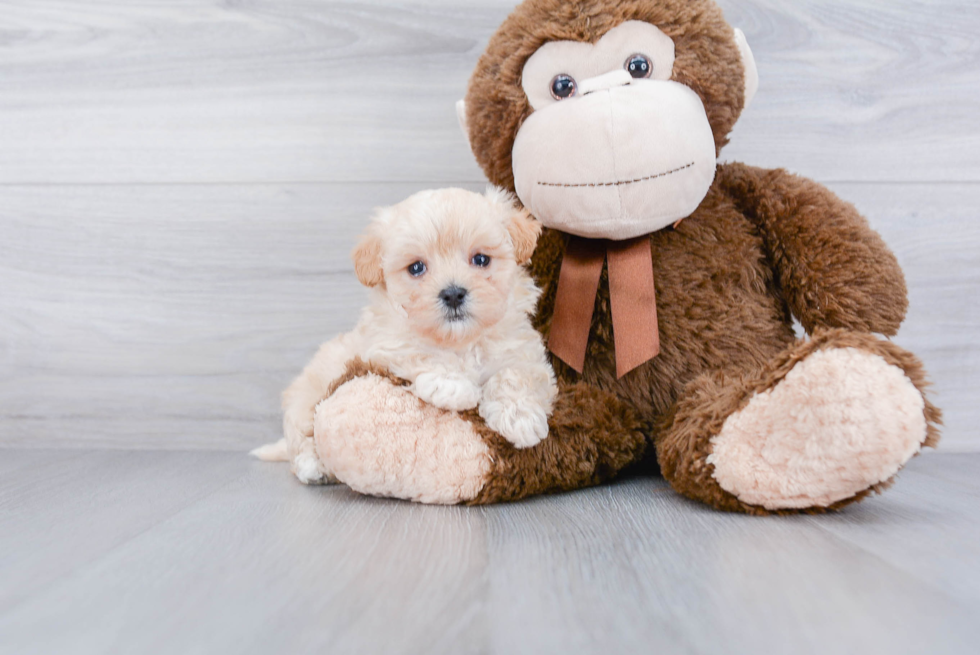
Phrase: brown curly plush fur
[763,246]
[592,437]
[731,276]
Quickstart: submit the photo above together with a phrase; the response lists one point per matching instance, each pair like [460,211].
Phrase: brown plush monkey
[669,287]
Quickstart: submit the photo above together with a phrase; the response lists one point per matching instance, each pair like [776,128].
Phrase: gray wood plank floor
[157,552]
[180,185]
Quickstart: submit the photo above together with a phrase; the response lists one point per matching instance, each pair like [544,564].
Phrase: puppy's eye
[417,269]
[563,86]
[639,66]
[480,260]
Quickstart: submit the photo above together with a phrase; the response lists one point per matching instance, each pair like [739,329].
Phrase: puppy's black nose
[452,297]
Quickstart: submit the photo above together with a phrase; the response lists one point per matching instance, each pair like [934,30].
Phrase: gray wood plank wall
[180,184]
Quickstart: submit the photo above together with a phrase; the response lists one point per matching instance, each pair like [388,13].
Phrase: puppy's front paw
[453,393]
[306,468]
[522,424]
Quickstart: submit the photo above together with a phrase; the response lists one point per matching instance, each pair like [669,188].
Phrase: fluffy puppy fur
[449,312]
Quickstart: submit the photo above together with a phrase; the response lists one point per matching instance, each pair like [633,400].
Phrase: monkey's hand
[831,267]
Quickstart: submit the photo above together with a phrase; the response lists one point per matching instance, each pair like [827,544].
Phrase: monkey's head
[606,117]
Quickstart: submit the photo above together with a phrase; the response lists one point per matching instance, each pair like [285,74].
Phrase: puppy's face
[449,258]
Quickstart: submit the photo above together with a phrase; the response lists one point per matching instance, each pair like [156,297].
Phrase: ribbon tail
[578,283]
[633,302]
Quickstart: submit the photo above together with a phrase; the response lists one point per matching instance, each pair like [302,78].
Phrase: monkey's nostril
[453,296]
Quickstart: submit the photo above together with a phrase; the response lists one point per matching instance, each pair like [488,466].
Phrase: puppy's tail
[272,452]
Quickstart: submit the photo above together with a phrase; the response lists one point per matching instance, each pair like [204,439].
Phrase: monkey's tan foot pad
[381,440]
[840,422]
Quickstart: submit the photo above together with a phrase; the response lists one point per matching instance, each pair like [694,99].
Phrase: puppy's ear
[522,227]
[367,258]
[524,232]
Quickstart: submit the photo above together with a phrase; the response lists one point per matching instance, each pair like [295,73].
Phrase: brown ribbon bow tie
[632,300]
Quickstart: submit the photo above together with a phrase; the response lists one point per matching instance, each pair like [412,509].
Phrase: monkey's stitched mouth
[621,182]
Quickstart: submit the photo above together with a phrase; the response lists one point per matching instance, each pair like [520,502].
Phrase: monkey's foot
[841,421]
[380,439]
[831,420]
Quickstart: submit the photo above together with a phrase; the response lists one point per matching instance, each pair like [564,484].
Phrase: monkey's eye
[417,269]
[563,86]
[480,260]
[639,66]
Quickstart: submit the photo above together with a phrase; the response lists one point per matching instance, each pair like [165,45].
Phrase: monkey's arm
[831,267]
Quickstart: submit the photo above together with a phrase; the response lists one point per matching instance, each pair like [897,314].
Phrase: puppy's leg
[299,403]
[517,402]
[447,391]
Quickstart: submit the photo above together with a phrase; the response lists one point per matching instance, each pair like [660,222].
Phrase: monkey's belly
[717,305]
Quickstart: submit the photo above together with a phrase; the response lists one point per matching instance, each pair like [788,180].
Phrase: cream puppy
[449,312]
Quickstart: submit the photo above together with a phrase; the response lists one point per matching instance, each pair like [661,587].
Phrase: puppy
[449,312]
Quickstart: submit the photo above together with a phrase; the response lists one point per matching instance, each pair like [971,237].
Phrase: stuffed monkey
[670,284]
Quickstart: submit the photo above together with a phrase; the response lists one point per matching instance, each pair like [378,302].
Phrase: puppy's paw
[453,393]
[306,468]
[523,424]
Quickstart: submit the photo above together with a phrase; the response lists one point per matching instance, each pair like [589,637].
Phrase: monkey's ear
[461,117]
[367,258]
[748,62]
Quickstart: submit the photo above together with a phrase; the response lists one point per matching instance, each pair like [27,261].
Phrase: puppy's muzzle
[452,298]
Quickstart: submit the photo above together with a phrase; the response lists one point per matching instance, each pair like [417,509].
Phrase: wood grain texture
[259,564]
[289,91]
[232,555]
[61,510]
[172,316]
[945,493]
[862,90]
[180,186]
